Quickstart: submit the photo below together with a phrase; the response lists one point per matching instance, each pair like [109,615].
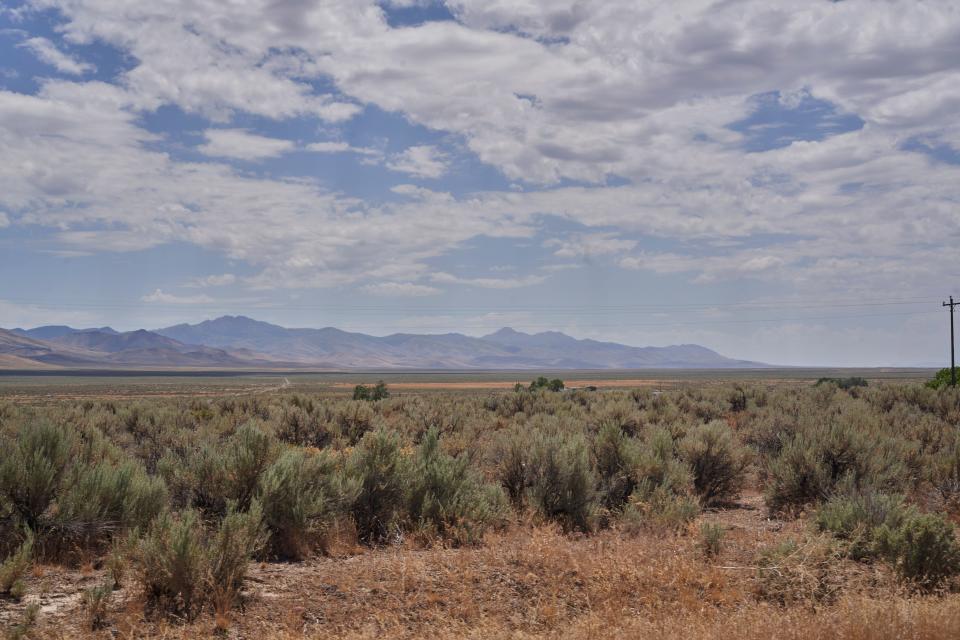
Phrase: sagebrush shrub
[13,568]
[32,468]
[562,482]
[798,477]
[227,554]
[512,452]
[249,453]
[95,602]
[815,462]
[711,538]
[923,549]
[302,495]
[855,519]
[449,498]
[615,457]
[103,499]
[183,566]
[718,462]
[380,470]
[172,563]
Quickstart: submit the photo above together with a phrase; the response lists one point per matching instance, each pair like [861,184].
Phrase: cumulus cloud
[588,245]
[612,116]
[216,280]
[488,283]
[341,147]
[399,289]
[421,161]
[242,145]
[48,52]
[161,297]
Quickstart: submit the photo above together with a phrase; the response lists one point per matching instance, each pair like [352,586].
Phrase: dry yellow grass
[536,583]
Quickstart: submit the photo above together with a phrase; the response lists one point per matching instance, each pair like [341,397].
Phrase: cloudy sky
[778,180]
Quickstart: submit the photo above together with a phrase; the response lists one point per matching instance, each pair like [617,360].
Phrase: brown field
[625,383]
[535,582]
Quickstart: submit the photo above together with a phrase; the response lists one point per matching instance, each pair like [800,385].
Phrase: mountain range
[238,342]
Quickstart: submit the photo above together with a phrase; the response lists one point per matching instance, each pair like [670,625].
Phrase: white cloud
[421,161]
[399,289]
[341,147]
[47,52]
[488,283]
[4,220]
[242,145]
[216,280]
[588,245]
[161,297]
[546,91]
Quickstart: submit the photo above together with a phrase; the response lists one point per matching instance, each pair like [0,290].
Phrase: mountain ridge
[240,341]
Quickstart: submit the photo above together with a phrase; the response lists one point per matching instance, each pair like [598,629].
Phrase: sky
[778,180]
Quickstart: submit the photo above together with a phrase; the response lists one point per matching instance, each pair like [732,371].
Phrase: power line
[584,309]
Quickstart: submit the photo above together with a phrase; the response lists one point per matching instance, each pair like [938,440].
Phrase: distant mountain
[57,331]
[505,349]
[236,342]
[93,348]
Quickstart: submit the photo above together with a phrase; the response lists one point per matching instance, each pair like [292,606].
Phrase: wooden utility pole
[953,365]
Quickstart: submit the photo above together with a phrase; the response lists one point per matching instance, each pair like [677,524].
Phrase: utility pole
[953,366]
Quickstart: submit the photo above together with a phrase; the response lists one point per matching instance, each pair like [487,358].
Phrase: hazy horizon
[779,182]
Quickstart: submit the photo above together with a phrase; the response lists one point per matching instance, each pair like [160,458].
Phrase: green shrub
[302,495]
[615,458]
[95,601]
[227,554]
[15,567]
[711,538]
[943,472]
[249,453]
[378,392]
[923,549]
[562,483]
[543,383]
[843,383]
[659,509]
[380,471]
[24,627]
[717,461]
[942,378]
[798,476]
[102,499]
[182,566]
[813,464]
[512,453]
[32,469]
[172,563]
[448,498]
[355,419]
[200,480]
[855,519]
[361,392]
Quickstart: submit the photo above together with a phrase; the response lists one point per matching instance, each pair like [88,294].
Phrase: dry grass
[539,583]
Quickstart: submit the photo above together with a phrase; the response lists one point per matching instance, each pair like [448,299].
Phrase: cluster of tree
[378,392]
[942,379]
[844,383]
[542,383]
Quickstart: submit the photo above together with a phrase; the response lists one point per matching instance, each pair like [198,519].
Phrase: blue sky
[741,175]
